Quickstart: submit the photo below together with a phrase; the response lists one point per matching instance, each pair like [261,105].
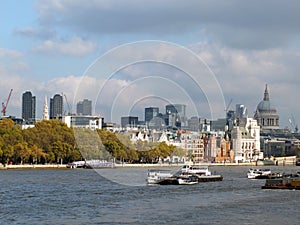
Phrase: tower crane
[227,107]
[5,104]
[69,108]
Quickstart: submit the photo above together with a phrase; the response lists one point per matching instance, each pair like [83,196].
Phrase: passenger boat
[76,164]
[290,182]
[259,173]
[185,175]
[160,177]
[98,164]
[202,172]
[188,179]
[91,164]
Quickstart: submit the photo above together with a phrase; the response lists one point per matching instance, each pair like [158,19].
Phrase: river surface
[121,196]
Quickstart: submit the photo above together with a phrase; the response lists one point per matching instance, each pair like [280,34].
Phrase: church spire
[45,112]
[266,95]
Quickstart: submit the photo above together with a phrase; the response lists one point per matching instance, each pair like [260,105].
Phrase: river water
[121,196]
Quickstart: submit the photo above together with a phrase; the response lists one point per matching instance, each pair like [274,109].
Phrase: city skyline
[47,48]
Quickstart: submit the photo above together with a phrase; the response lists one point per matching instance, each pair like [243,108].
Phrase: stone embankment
[34,166]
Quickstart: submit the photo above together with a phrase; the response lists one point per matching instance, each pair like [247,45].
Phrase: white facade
[45,111]
[246,141]
[91,122]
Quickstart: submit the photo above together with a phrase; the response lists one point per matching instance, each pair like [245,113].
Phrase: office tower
[176,115]
[56,106]
[28,107]
[150,113]
[241,111]
[129,121]
[84,107]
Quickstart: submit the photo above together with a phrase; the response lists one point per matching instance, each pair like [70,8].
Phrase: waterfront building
[245,139]
[193,144]
[56,106]
[84,107]
[266,114]
[28,107]
[91,122]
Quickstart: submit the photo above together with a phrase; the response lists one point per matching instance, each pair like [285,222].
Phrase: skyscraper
[28,107]
[176,115]
[84,107]
[56,106]
[150,113]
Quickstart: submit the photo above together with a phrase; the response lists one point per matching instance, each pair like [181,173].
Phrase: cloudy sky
[128,55]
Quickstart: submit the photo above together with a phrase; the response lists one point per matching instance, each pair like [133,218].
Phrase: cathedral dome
[266,114]
[265,106]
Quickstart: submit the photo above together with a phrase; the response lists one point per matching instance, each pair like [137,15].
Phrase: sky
[128,55]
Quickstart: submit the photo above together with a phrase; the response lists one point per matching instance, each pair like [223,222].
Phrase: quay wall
[34,166]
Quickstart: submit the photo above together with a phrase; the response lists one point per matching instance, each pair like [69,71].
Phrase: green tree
[10,135]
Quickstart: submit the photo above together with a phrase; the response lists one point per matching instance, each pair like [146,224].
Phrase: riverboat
[202,172]
[76,164]
[91,164]
[185,175]
[259,173]
[289,182]
[98,164]
[188,179]
[160,177]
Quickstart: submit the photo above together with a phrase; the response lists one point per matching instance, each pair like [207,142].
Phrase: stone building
[246,141]
[266,114]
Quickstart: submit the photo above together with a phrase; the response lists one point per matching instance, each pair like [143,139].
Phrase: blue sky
[47,47]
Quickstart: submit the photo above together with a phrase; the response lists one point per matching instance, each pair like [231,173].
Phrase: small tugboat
[259,173]
[289,182]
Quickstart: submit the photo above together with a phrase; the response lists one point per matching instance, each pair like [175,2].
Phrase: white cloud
[75,47]
[5,52]
[242,75]
[241,24]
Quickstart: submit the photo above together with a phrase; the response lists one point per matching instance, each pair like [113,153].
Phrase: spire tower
[45,112]
[266,94]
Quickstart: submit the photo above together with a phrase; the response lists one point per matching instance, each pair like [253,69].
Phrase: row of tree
[51,141]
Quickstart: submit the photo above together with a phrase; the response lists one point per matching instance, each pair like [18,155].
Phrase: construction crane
[69,108]
[5,104]
[294,126]
[227,107]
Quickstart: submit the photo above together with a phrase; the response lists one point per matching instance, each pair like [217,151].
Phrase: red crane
[4,105]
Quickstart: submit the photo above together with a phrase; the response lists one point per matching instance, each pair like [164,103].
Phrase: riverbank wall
[34,166]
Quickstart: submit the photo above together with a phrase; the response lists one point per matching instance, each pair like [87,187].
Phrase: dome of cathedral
[265,106]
